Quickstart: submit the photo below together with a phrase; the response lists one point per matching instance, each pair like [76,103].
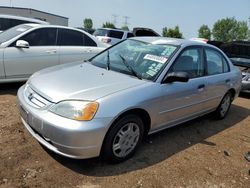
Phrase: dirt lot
[201,153]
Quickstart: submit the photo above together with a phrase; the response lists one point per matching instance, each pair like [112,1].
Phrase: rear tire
[224,106]
[123,139]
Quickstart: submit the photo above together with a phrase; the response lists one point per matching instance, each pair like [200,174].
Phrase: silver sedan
[137,87]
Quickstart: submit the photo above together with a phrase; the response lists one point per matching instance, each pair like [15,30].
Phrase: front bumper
[69,138]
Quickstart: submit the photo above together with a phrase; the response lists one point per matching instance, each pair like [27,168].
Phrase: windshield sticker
[168,51]
[21,29]
[154,68]
[159,59]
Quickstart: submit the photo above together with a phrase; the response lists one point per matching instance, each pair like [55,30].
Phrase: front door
[41,53]
[184,100]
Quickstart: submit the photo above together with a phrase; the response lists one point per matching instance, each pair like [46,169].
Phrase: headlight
[76,110]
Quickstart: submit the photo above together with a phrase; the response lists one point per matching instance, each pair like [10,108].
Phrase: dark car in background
[239,54]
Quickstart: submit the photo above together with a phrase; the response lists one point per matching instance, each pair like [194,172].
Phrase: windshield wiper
[108,60]
[129,67]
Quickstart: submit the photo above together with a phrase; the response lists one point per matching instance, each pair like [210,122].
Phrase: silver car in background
[135,88]
[9,21]
[28,48]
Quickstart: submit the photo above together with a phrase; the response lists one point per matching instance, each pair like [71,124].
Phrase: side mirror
[22,44]
[176,77]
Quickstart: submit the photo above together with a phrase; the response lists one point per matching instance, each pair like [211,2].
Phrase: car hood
[82,81]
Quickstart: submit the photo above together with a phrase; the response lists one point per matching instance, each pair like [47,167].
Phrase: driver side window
[41,37]
[190,61]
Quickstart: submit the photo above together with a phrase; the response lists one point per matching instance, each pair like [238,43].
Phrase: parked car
[135,88]
[8,21]
[239,53]
[112,36]
[244,65]
[27,48]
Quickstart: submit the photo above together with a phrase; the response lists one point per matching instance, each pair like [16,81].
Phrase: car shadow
[10,88]
[159,146]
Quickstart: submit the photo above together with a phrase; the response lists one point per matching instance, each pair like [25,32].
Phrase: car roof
[23,18]
[65,27]
[111,29]
[33,25]
[173,41]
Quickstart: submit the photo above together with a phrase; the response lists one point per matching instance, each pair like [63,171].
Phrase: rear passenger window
[190,61]
[216,63]
[68,37]
[88,41]
[41,37]
[116,34]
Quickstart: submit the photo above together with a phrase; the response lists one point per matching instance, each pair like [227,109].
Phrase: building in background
[32,13]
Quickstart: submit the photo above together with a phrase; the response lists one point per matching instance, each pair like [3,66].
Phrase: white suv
[112,36]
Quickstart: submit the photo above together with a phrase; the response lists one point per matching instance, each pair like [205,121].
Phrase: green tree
[173,33]
[230,29]
[165,32]
[108,25]
[204,32]
[87,23]
[125,28]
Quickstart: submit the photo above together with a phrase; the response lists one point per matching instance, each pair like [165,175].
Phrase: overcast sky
[156,14]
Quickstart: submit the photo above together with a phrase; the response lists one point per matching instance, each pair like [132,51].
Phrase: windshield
[145,59]
[13,32]
[100,32]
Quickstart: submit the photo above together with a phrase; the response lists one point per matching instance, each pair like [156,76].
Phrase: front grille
[35,99]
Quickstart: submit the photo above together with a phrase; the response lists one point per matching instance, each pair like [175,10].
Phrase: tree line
[225,30]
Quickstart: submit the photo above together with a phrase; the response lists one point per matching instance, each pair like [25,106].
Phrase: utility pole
[126,20]
[114,19]
[10,3]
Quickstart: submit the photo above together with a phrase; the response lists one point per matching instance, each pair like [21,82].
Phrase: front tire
[224,106]
[123,139]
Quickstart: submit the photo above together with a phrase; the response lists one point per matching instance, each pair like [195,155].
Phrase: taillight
[106,40]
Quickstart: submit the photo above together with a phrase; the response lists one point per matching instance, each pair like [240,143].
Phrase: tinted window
[88,41]
[115,34]
[130,35]
[216,63]
[190,61]
[68,37]
[6,23]
[41,37]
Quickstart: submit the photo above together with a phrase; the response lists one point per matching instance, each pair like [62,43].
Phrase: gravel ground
[201,153]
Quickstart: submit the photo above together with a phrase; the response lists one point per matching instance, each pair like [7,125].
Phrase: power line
[126,20]
[114,18]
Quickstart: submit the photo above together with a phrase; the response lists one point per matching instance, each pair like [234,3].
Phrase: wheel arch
[143,114]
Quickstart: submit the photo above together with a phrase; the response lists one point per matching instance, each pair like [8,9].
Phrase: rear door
[75,46]
[218,76]
[41,53]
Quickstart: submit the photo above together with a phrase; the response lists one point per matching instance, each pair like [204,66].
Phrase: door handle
[51,51]
[227,81]
[88,50]
[201,86]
